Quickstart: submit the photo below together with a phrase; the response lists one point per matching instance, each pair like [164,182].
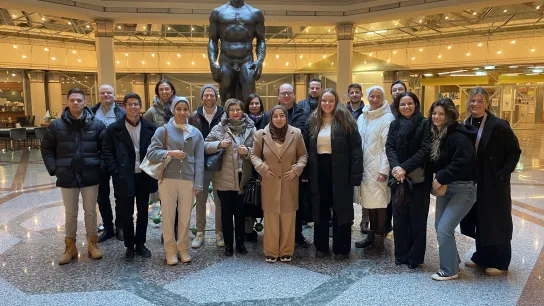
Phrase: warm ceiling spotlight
[538,7]
[79,60]
[505,11]
[193,63]
[24,56]
[413,58]
[15,47]
[169,28]
[145,27]
[143,62]
[45,49]
[152,54]
[53,58]
[329,30]
[474,13]
[301,56]
[394,51]
[14,16]
[332,63]
[324,56]
[286,63]
[449,47]
[264,64]
[117,62]
[420,49]
[277,56]
[119,27]
[179,55]
[447,17]
[468,53]
[370,54]
[513,42]
[168,62]
[310,64]
[388,60]
[74,51]
[88,26]
[480,44]
[439,55]
[43,18]
[420,20]
[533,50]
[499,52]
[126,53]
[69,22]
[192,29]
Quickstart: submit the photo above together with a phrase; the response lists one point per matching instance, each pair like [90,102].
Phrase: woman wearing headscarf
[279,155]
[452,162]
[374,194]
[182,179]
[490,219]
[334,168]
[407,151]
[234,134]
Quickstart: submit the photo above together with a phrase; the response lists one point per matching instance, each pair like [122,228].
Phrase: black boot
[105,235]
[252,237]
[365,242]
[365,227]
[119,234]
[376,247]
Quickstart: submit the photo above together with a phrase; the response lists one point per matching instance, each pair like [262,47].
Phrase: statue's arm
[260,49]
[213,44]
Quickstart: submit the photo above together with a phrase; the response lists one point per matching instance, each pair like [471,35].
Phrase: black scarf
[408,125]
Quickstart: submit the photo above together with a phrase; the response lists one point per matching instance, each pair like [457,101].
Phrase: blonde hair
[485,95]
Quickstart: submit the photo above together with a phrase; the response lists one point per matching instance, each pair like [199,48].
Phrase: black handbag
[253,193]
[213,162]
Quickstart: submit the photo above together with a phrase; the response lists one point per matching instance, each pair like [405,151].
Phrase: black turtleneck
[476,122]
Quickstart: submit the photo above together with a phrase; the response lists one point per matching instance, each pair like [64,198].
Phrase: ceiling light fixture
[537,70]
[394,51]
[324,56]
[449,47]
[88,26]
[533,50]
[168,62]
[499,52]
[152,54]
[332,63]
[117,62]
[474,13]
[310,64]
[388,60]
[489,67]
[513,67]
[69,22]
[126,53]
[43,18]
[505,11]
[301,56]
[413,58]
[79,60]
[468,53]
[277,56]
[143,62]
[74,51]
[428,74]
[15,47]
[193,63]
[370,54]
[513,42]
[23,56]
[179,55]
[169,28]
[14,16]
[420,49]
[286,63]
[480,44]
[53,58]
[45,49]
[439,55]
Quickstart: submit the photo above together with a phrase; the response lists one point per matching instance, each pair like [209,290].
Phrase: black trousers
[302,198]
[104,203]
[389,220]
[492,256]
[232,205]
[142,202]
[410,227]
[341,234]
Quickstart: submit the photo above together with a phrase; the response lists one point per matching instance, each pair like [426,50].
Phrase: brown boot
[92,247]
[69,253]
[376,247]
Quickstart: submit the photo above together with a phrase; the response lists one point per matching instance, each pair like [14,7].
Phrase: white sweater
[324,137]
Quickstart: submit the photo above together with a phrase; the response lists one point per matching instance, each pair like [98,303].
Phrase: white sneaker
[198,240]
[219,239]
[443,276]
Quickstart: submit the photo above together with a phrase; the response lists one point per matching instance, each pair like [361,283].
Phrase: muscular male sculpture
[236,24]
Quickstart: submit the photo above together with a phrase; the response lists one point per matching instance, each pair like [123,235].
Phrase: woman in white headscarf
[373,125]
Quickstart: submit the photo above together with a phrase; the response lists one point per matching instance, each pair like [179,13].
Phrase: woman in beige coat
[279,156]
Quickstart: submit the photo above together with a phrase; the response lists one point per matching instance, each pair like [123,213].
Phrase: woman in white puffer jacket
[373,125]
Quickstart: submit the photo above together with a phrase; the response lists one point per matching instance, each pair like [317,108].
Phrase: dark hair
[396,103]
[316,80]
[341,117]
[401,83]
[165,82]
[452,115]
[248,101]
[355,85]
[132,95]
[75,91]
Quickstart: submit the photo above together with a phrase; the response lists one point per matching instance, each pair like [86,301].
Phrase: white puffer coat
[374,127]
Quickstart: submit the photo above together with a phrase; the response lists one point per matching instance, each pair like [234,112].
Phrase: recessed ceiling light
[505,11]
[428,74]
[388,60]
[14,16]
[119,27]
[413,58]
[439,55]
[286,63]
[179,55]
[512,67]
[489,67]
[394,51]
[537,70]
[88,26]
[46,49]
[468,53]
[449,47]
[420,49]
[143,62]
[24,56]
[117,62]
[310,64]
[277,56]
[513,42]
[474,13]
[74,51]
[126,54]
[480,44]
[169,28]
[53,58]
[43,18]
[533,50]
[168,62]
[69,22]
[79,60]
[152,54]
[499,52]
[15,47]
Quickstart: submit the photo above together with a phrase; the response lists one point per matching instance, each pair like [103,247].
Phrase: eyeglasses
[286,94]
[133,105]
[235,110]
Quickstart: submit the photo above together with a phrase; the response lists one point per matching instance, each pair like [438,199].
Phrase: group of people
[316,153]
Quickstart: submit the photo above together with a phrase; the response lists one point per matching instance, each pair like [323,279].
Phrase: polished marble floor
[31,239]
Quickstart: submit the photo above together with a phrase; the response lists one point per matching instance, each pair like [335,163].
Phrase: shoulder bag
[156,169]
[213,162]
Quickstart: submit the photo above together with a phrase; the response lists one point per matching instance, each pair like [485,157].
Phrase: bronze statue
[236,24]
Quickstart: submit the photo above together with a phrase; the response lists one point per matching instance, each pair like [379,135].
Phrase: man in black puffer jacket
[71,152]
[315,88]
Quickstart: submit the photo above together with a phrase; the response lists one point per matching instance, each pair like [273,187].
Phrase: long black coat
[71,149]
[411,152]
[120,158]
[347,172]
[498,154]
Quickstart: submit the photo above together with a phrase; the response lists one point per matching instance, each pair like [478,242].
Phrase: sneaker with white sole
[443,276]
[270,259]
[198,240]
[219,240]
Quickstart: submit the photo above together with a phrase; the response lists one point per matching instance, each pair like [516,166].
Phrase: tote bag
[156,169]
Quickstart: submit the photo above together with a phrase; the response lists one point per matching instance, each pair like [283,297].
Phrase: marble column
[56,101]
[37,95]
[105,56]
[344,34]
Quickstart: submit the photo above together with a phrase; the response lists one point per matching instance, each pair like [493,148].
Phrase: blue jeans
[450,210]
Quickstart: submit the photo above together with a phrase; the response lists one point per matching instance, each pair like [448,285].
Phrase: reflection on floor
[31,239]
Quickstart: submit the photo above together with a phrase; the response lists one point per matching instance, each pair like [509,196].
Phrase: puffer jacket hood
[372,114]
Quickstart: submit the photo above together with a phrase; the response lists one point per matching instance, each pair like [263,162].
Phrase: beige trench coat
[278,194]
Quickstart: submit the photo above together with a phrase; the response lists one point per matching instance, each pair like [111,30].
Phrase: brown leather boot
[92,247]
[69,253]
[376,247]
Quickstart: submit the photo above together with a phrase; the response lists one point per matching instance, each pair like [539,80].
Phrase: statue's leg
[246,81]
[228,83]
